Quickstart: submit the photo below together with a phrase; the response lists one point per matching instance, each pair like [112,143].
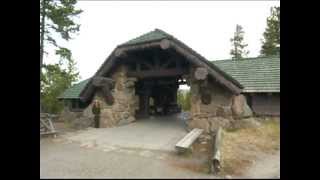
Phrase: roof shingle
[74,91]
[154,35]
[261,74]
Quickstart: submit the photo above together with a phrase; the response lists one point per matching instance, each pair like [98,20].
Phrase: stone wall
[224,109]
[75,120]
[122,111]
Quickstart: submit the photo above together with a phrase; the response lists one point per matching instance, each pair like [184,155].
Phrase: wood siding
[265,104]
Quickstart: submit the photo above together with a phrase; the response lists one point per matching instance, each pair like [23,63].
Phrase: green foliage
[57,23]
[238,46]
[54,81]
[57,18]
[183,99]
[271,41]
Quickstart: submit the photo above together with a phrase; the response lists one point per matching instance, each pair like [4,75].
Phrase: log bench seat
[185,143]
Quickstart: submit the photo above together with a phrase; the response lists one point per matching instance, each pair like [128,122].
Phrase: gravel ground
[63,159]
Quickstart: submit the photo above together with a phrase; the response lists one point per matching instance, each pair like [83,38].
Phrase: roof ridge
[83,80]
[162,31]
[144,35]
[248,58]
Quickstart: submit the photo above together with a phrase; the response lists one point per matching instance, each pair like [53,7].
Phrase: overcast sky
[205,26]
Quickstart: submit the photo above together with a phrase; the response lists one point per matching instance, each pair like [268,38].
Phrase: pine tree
[56,20]
[271,41]
[55,80]
[238,46]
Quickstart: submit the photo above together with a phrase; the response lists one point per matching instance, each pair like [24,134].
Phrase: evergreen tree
[271,41]
[56,22]
[55,81]
[56,18]
[238,46]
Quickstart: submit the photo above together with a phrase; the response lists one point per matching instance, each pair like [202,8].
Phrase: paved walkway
[144,149]
[63,159]
[154,133]
[266,166]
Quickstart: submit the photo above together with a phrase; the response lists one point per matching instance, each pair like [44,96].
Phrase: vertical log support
[144,108]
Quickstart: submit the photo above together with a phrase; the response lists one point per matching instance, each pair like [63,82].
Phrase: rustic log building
[141,78]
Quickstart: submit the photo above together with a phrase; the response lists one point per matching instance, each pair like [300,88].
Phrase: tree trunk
[42,33]
[42,42]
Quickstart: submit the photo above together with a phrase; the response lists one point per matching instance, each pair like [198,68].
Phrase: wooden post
[144,96]
[215,161]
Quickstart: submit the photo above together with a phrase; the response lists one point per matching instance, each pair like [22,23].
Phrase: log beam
[195,60]
[165,44]
[157,73]
[201,73]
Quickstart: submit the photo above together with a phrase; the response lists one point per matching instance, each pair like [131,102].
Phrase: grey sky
[205,26]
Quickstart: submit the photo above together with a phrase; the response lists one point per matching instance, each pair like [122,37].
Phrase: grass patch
[241,146]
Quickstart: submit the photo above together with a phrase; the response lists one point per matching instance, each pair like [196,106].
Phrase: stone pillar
[122,111]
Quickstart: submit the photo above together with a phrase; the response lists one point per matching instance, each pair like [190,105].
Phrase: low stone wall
[75,120]
[224,109]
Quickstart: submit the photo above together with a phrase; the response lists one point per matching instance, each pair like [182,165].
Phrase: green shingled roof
[154,35]
[261,74]
[74,91]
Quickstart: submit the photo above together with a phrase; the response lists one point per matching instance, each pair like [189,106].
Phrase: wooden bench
[46,127]
[186,142]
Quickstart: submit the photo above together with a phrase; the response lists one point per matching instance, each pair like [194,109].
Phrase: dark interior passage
[157,96]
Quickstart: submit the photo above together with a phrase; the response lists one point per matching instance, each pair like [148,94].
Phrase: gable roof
[74,91]
[154,39]
[154,35]
[260,74]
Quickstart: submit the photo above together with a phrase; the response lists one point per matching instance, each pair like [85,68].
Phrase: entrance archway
[159,74]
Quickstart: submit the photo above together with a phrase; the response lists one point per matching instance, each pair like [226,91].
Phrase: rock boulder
[240,108]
